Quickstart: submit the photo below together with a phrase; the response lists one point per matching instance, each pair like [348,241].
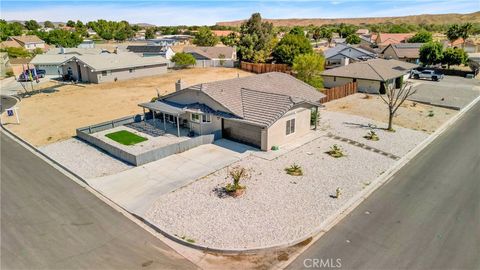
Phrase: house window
[206,118]
[334,79]
[106,72]
[195,117]
[290,126]
[131,70]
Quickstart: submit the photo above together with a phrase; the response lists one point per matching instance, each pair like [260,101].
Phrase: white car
[426,74]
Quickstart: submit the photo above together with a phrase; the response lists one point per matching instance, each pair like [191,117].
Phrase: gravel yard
[276,207]
[84,159]
[356,127]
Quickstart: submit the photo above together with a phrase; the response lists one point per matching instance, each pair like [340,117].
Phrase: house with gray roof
[103,67]
[408,52]
[371,76]
[262,110]
[213,56]
[344,54]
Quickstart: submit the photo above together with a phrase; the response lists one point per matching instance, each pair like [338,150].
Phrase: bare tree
[394,98]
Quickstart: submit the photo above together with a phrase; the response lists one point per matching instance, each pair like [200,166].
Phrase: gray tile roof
[346,50]
[260,99]
[406,50]
[211,52]
[375,69]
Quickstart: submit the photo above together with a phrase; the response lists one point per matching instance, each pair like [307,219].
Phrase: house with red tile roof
[385,39]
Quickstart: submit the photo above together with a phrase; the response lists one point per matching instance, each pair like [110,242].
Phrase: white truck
[426,74]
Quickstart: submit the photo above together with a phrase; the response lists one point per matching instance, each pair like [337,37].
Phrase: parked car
[427,74]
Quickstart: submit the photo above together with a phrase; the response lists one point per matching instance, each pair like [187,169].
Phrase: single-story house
[263,110]
[86,44]
[382,40]
[29,42]
[408,52]
[362,31]
[104,67]
[4,63]
[152,50]
[52,59]
[344,54]
[213,56]
[370,75]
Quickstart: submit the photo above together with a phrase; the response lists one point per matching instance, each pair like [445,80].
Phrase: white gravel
[354,127]
[84,159]
[276,207]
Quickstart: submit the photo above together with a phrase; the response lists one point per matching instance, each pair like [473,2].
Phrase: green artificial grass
[125,137]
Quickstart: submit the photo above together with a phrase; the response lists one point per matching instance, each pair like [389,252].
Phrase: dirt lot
[56,112]
[410,115]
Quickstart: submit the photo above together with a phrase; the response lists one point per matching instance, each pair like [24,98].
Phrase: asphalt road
[427,217]
[50,222]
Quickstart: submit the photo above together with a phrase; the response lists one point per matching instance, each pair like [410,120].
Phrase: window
[131,70]
[334,79]
[195,117]
[290,126]
[206,118]
[104,73]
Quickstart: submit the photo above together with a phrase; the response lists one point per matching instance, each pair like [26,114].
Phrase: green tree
[453,32]
[10,29]
[70,23]
[79,24]
[230,39]
[327,33]
[32,25]
[48,24]
[317,34]
[353,39]
[257,40]
[16,52]
[421,37]
[120,35]
[309,67]
[205,37]
[63,38]
[344,30]
[291,46]
[464,31]
[454,56]
[297,30]
[183,60]
[431,53]
[150,33]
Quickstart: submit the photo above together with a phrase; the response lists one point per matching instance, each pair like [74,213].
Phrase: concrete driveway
[136,189]
[452,92]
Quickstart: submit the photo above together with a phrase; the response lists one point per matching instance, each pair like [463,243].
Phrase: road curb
[325,226]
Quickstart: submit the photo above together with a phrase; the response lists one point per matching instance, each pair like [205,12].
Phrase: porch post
[144,116]
[178,126]
[164,122]
[153,117]
[316,117]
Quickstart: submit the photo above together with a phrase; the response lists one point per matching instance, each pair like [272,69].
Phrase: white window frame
[206,118]
[288,127]
[195,117]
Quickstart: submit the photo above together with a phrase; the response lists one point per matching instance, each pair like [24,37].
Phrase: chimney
[179,85]
[115,51]
[62,50]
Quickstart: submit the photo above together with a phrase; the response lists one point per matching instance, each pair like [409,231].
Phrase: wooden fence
[264,68]
[339,92]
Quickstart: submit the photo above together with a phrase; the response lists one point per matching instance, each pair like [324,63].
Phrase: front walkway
[136,189]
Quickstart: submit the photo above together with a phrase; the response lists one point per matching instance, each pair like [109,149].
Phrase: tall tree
[291,46]
[32,25]
[297,30]
[48,24]
[70,23]
[309,67]
[230,39]
[256,40]
[421,37]
[453,32]
[150,33]
[454,56]
[431,53]
[205,37]
[464,31]
[353,39]
[394,98]
[327,33]
[316,34]
[183,60]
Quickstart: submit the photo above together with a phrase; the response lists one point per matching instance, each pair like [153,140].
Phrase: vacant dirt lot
[54,113]
[410,115]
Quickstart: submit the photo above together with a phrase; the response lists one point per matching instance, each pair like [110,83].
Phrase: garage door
[241,132]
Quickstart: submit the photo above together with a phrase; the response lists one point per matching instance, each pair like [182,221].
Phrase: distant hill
[413,19]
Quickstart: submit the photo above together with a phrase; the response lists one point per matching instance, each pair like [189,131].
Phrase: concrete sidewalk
[136,189]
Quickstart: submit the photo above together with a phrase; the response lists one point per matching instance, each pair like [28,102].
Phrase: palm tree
[464,32]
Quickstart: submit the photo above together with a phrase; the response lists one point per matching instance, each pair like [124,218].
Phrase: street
[50,222]
[426,217]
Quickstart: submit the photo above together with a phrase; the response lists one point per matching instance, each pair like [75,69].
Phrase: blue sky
[209,12]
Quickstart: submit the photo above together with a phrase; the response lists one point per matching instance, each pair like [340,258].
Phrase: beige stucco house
[29,42]
[371,76]
[263,110]
[407,52]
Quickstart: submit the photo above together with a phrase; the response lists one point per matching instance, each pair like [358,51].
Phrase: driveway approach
[426,217]
[50,222]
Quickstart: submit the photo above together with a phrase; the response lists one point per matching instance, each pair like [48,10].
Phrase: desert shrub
[237,173]
[431,114]
[372,136]
[294,170]
[336,151]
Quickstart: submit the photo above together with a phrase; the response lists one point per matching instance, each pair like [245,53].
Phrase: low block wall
[145,157]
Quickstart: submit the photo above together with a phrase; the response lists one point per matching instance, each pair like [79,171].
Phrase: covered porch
[165,118]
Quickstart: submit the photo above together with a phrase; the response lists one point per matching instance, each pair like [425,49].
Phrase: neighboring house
[52,59]
[470,45]
[104,67]
[382,40]
[91,32]
[29,42]
[370,75]
[337,41]
[213,56]
[9,44]
[344,54]
[164,42]
[221,33]
[152,50]
[408,52]
[4,63]
[362,31]
[86,44]
[263,111]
